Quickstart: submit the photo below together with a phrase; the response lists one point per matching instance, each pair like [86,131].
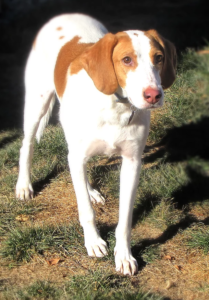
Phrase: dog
[106,84]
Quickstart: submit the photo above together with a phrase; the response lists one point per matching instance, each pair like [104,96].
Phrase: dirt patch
[179,274]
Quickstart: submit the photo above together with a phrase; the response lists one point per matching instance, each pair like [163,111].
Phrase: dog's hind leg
[36,106]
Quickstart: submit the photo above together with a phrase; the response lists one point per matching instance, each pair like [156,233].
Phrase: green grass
[198,237]
[23,243]
[11,208]
[50,153]
[151,253]
[95,286]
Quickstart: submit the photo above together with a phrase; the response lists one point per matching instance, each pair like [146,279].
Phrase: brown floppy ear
[97,61]
[168,73]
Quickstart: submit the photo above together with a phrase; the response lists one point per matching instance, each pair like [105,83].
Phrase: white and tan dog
[106,84]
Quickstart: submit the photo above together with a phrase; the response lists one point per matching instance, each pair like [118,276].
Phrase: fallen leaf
[169,284]
[179,268]
[22,218]
[167,257]
[53,261]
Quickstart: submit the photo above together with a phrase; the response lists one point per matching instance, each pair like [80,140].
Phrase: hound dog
[106,84]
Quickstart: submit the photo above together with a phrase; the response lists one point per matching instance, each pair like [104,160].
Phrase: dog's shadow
[186,143]
[181,143]
[39,185]
[9,139]
[168,234]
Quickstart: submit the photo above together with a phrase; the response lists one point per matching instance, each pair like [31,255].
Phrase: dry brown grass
[179,274]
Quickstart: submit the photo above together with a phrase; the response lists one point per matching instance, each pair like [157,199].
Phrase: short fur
[74,56]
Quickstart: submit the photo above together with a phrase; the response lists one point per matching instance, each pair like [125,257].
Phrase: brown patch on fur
[102,61]
[168,68]
[68,53]
[123,48]
[136,34]
[156,49]
[61,37]
[97,61]
[59,28]
[34,43]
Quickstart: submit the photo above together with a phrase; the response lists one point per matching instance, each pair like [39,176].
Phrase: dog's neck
[121,99]
[125,100]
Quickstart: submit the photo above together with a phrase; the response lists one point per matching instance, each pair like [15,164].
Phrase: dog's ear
[97,61]
[168,73]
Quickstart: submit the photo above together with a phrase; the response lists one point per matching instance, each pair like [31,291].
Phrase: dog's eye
[127,60]
[158,58]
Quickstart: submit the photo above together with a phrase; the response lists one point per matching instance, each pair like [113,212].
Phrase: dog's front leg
[129,177]
[93,242]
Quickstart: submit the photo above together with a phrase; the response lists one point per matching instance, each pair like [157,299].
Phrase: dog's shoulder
[69,53]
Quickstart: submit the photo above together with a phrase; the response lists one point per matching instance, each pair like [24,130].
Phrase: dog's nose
[151,95]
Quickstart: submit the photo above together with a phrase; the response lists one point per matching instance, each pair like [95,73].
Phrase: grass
[92,288]
[198,237]
[170,213]
[151,253]
[23,243]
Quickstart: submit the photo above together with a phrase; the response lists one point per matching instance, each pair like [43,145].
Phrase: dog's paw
[24,192]
[96,247]
[125,262]
[96,197]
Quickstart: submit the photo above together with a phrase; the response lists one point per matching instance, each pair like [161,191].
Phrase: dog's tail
[45,119]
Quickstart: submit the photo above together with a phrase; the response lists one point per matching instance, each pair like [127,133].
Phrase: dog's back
[39,72]
[57,32]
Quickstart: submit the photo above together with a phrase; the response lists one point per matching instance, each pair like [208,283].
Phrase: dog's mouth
[152,107]
[148,107]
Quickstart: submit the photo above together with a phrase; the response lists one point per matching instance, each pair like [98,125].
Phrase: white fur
[146,74]
[93,124]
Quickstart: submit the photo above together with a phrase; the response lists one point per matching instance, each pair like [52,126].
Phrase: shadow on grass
[39,185]
[97,173]
[181,143]
[9,139]
[196,190]
[168,234]
[144,208]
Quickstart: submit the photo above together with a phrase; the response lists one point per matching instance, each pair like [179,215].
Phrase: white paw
[96,247]
[125,262]
[96,197]
[24,192]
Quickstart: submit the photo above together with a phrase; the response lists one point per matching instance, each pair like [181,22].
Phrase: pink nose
[151,95]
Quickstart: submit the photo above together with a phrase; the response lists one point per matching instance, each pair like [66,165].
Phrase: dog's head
[142,63]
